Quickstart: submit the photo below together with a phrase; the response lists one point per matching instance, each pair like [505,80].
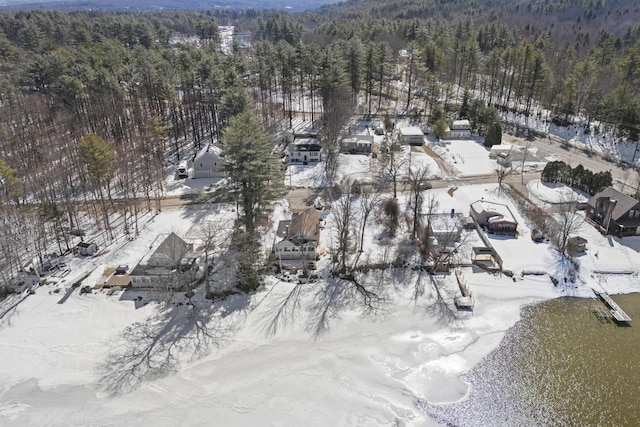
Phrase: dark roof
[624,203]
[84,244]
[306,223]
[283,228]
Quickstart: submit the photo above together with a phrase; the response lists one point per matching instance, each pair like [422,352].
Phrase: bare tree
[504,171]
[342,213]
[392,162]
[417,184]
[431,211]
[369,200]
[567,222]
[216,237]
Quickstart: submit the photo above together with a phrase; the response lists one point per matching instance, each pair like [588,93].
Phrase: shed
[576,245]
[119,280]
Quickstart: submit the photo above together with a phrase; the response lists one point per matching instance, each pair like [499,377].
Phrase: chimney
[607,216]
[453,212]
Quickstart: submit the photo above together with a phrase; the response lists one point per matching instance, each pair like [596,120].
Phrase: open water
[559,366]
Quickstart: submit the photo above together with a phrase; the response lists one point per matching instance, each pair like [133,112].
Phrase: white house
[208,163]
[460,129]
[357,144]
[305,150]
[411,135]
[301,235]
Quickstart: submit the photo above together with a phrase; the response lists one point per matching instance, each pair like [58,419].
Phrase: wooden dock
[618,314]
[465,301]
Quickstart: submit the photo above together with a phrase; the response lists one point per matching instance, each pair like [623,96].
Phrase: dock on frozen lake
[618,314]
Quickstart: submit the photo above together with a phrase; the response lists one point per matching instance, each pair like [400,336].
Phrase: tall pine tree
[254,173]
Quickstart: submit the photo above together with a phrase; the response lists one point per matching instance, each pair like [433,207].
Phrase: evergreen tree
[255,175]
[494,135]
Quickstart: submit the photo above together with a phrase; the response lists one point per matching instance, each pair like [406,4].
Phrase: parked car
[537,236]
[183,169]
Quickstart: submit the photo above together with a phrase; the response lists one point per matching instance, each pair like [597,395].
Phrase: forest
[94,105]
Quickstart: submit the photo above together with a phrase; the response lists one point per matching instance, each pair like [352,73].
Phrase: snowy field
[550,193]
[357,167]
[467,157]
[290,354]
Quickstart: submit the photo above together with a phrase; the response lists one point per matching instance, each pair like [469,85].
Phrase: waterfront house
[615,213]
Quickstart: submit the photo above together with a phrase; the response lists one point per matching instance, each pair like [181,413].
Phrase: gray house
[160,268]
[86,248]
[357,144]
[615,213]
[170,252]
[208,163]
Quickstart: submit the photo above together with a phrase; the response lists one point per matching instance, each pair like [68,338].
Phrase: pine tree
[494,135]
[254,173]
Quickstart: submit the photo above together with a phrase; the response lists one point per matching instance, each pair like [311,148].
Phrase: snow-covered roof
[446,222]
[209,150]
[498,211]
[410,131]
[460,124]
[504,147]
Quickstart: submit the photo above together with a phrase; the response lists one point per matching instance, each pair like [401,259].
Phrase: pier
[465,301]
[618,314]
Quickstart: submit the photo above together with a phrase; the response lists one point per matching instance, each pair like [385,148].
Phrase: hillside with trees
[95,105]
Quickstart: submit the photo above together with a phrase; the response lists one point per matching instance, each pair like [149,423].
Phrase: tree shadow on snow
[154,347]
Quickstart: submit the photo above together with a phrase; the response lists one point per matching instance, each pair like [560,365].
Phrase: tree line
[577,177]
[94,105]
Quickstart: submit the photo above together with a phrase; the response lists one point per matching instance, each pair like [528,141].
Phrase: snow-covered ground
[468,157]
[290,354]
[550,193]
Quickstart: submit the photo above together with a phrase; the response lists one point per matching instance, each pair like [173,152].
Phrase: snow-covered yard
[467,157]
[289,354]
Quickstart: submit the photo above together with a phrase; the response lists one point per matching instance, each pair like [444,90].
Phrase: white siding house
[460,129]
[411,135]
[301,238]
[305,150]
[208,163]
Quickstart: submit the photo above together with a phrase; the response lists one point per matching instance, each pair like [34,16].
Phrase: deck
[618,313]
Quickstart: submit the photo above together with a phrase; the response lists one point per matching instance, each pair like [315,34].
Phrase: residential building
[305,150]
[460,129]
[357,144]
[159,268]
[615,213]
[494,217]
[411,135]
[208,163]
[300,236]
